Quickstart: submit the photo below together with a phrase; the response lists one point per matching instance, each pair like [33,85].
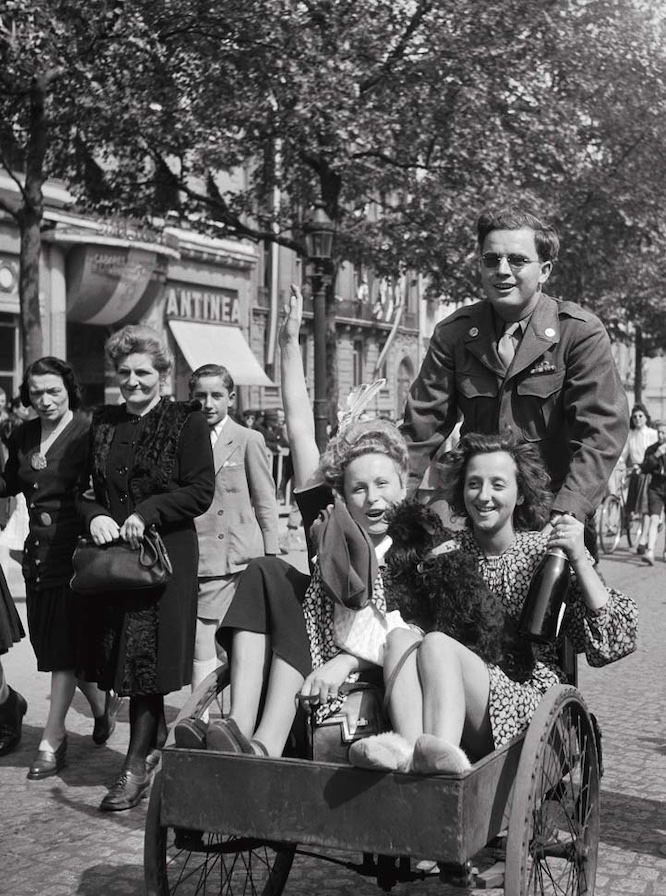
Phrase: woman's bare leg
[95,697]
[284,683]
[456,689]
[250,658]
[63,685]
[652,533]
[406,697]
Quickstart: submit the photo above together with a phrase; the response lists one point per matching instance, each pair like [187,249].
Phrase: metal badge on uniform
[474,331]
[549,332]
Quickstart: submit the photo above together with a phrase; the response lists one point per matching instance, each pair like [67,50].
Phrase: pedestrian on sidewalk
[46,457]
[150,463]
[641,435]
[12,705]
[654,466]
[242,521]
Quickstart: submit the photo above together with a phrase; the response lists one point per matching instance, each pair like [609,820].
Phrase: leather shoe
[48,762]
[105,725]
[190,734]
[11,721]
[224,736]
[128,790]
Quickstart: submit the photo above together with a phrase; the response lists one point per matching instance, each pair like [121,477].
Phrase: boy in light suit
[242,521]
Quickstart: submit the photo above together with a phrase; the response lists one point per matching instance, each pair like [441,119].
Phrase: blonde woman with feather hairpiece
[290,634]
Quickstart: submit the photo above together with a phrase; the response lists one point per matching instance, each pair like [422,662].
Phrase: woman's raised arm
[297,407]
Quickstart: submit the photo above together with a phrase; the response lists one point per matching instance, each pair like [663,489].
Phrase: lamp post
[319,231]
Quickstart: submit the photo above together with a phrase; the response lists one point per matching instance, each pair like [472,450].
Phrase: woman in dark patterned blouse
[150,464]
[447,703]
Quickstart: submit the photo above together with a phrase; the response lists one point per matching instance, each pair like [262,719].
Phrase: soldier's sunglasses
[516,262]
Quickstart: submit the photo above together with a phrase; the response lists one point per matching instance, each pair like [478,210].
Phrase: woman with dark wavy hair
[46,457]
[447,704]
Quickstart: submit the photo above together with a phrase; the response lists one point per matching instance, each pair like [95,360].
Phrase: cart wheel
[610,523]
[553,833]
[180,862]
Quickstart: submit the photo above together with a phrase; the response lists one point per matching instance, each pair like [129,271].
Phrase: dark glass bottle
[545,603]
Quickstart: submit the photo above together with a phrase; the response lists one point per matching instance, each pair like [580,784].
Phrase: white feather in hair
[357,401]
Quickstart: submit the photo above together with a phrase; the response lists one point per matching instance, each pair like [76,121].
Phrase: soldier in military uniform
[527,362]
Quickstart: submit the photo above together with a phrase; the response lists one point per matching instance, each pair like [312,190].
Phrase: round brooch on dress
[38,461]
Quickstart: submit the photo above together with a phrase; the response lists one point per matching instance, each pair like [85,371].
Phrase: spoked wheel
[180,862]
[610,523]
[553,834]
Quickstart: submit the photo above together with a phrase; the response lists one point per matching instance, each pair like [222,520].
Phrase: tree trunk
[30,252]
[29,220]
[638,365]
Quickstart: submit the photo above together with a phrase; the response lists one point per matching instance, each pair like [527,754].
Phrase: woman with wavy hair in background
[150,463]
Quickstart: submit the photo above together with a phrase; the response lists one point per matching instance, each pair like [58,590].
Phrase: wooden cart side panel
[447,817]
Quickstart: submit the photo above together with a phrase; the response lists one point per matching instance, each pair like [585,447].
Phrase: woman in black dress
[150,464]
[46,456]
[12,705]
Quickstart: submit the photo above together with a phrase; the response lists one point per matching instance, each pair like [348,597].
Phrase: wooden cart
[232,824]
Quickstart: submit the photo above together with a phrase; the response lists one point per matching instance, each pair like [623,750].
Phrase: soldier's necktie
[506,347]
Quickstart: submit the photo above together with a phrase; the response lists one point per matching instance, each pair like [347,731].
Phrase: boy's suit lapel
[225,445]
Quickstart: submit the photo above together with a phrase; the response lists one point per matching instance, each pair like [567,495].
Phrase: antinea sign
[214,305]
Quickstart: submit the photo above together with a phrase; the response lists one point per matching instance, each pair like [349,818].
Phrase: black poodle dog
[447,592]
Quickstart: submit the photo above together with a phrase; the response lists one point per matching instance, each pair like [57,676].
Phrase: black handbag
[361,715]
[119,567]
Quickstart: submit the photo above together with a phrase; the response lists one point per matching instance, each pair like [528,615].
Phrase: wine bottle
[545,603]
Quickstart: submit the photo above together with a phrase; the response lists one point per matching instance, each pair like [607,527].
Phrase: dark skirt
[11,629]
[140,643]
[269,600]
[52,624]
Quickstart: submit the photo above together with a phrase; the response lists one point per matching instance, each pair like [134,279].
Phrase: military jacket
[562,393]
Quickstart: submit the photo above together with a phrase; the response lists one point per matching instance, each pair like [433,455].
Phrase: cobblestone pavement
[54,840]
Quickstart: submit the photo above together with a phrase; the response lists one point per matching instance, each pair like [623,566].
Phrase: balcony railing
[363,312]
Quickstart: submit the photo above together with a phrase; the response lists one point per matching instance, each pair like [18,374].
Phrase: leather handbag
[119,567]
[361,715]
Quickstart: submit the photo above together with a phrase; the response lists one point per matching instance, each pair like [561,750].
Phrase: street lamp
[319,230]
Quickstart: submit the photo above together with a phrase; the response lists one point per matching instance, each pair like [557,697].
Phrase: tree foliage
[406,118]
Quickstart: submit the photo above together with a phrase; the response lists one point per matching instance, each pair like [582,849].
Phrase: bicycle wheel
[553,836]
[179,862]
[610,523]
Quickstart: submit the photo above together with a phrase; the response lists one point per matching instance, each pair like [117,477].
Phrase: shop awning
[216,344]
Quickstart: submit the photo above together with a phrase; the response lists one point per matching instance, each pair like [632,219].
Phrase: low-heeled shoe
[11,721]
[224,736]
[105,725]
[127,791]
[190,734]
[48,762]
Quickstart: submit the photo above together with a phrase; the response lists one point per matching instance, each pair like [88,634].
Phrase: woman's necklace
[38,459]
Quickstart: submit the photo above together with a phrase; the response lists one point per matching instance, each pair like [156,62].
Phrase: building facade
[214,301]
